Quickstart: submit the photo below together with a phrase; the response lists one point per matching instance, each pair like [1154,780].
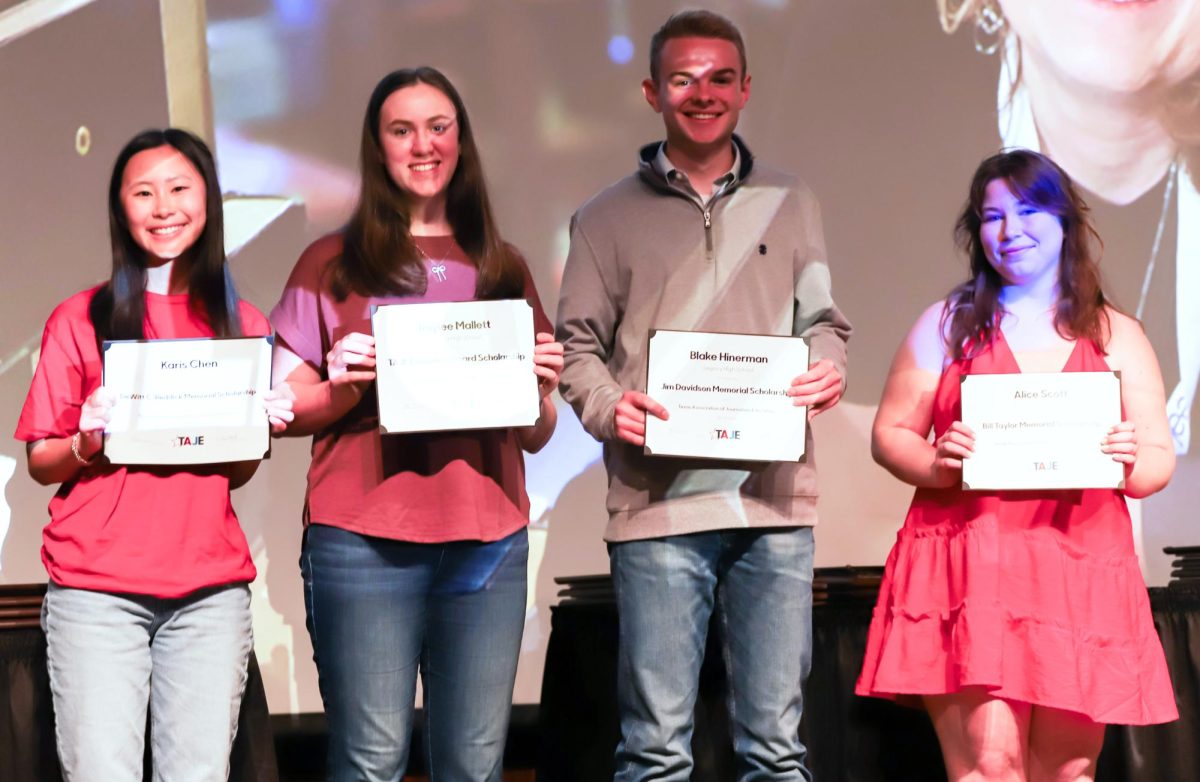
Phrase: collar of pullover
[652,175]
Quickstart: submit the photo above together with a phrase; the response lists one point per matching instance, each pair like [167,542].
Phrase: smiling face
[1022,241]
[164,198]
[700,92]
[418,135]
[1111,45]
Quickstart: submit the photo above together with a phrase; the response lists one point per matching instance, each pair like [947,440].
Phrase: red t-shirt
[425,488]
[155,531]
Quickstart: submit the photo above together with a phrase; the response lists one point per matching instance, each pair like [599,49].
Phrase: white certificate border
[1115,373]
[807,424]
[270,338]
[385,433]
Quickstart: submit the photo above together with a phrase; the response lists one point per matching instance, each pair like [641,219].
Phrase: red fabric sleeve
[297,317]
[254,323]
[67,371]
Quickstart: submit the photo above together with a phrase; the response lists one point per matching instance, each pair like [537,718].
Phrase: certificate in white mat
[187,401]
[463,365]
[1041,430]
[726,395]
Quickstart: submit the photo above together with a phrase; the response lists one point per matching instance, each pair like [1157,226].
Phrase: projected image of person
[415,545]
[1111,90]
[148,605]
[1019,619]
[701,237]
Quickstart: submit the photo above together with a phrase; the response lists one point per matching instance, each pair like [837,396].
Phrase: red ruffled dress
[1034,595]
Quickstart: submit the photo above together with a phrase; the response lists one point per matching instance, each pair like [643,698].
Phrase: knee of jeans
[369,746]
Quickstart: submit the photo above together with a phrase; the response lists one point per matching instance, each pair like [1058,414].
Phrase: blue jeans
[760,584]
[381,610]
[110,656]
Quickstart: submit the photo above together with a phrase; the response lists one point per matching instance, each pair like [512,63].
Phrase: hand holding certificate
[466,365]
[1041,431]
[727,395]
[187,401]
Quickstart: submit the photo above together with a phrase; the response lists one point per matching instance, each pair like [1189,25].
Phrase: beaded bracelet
[75,451]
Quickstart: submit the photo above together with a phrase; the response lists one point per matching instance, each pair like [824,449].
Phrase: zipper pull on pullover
[708,240]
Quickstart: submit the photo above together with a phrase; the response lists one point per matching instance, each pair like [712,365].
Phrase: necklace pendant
[439,271]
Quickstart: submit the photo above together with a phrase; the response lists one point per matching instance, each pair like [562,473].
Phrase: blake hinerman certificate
[1041,430]
[187,401]
[463,365]
[726,395]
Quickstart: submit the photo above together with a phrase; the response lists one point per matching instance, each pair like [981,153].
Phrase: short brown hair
[695,24]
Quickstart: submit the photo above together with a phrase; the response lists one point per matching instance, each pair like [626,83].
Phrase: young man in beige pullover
[701,237]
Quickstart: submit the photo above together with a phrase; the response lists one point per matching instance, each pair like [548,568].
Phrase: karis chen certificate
[1041,431]
[465,365]
[187,401]
[726,395]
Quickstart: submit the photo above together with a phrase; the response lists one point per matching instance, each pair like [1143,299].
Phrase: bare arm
[547,364]
[1142,442]
[60,459]
[319,402]
[899,436]
[51,460]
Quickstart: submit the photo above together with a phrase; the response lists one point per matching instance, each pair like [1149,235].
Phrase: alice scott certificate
[1041,431]
[466,365]
[187,401]
[726,395]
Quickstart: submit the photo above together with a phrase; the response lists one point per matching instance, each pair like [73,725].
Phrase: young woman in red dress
[1019,618]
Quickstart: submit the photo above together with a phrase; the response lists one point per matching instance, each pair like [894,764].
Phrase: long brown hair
[118,309]
[972,311]
[379,256]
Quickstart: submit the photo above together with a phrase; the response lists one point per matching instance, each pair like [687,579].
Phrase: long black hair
[118,309]
[379,256]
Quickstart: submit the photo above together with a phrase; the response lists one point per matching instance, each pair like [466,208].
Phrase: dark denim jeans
[381,610]
[760,583]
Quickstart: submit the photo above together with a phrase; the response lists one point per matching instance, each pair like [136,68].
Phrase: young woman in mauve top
[148,605]
[415,548]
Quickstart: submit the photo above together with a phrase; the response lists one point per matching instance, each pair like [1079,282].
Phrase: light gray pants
[112,656]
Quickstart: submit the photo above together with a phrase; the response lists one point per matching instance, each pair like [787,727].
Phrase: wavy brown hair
[118,309]
[379,256]
[972,312]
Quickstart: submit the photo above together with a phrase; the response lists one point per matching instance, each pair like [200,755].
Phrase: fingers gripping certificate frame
[1041,430]
[187,401]
[726,395]
[463,365]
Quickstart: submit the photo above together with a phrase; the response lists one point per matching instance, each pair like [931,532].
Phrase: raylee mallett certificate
[1041,431]
[726,395]
[187,401]
[466,365]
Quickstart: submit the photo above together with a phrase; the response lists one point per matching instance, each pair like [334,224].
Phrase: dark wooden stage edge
[571,736]
[850,739]
[27,751]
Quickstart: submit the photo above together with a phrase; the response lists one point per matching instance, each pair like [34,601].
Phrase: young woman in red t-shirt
[415,550]
[148,605]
